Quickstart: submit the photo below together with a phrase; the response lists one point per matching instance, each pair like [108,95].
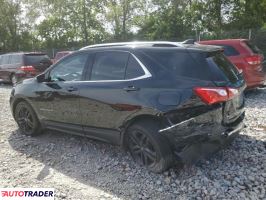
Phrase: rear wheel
[148,148]
[27,119]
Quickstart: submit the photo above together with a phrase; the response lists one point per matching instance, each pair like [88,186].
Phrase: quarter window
[109,66]
[70,69]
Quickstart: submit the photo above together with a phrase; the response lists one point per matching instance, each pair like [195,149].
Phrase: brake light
[253,60]
[212,95]
[27,69]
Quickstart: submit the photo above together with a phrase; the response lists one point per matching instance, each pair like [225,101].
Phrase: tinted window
[253,47]
[70,69]
[35,59]
[5,59]
[217,61]
[134,69]
[15,59]
[180,64]
[229,50]
[109,66]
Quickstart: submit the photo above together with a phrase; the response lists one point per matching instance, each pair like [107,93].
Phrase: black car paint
[104,109]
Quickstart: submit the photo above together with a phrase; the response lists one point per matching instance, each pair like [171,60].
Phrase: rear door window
[35,59]
[134,69]
[109,66]
[15,59]
[5,60]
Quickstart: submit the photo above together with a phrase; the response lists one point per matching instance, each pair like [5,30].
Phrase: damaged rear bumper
[202,135]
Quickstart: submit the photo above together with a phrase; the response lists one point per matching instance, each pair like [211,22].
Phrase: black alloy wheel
[142,149]
[148,147]
[26,119]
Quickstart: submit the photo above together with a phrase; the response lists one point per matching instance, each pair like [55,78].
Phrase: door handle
[131,89]
[72,89]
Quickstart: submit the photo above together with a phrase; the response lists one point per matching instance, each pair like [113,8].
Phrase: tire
[148,148]
[27,119]
[13,79]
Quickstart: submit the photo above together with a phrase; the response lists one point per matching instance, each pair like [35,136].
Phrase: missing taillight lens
[253,60]
[27,69]
[212,95]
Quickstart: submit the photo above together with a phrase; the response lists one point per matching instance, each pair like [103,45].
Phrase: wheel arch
[136,119]
[18,100]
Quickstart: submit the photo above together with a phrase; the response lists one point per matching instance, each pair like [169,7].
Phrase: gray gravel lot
[80,168]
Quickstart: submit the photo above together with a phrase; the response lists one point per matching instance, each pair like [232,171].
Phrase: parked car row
[162,101]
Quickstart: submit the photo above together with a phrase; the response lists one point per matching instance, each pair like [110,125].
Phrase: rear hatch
[210,71]
[227,75]
[39,61]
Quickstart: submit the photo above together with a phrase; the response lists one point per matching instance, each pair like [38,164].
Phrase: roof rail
[143,43]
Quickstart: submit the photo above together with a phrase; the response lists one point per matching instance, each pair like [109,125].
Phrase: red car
[246,57]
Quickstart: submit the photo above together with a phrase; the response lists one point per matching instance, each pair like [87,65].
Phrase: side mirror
[41,78]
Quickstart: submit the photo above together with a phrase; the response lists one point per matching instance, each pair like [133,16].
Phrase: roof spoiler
[189,41]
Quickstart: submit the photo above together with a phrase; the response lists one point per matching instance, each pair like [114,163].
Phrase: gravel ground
[80,168]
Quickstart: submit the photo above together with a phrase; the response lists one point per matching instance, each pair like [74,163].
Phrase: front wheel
[27,119]
[148,148]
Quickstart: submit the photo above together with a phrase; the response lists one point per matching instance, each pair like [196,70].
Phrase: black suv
[15,67]
[160,100]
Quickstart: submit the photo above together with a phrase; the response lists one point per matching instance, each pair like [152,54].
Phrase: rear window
[34,59]
[228,50]
[204,66]
[217,63]
[252,47]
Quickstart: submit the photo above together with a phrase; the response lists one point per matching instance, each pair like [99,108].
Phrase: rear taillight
[212,95]
[253,60]
[27,69]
